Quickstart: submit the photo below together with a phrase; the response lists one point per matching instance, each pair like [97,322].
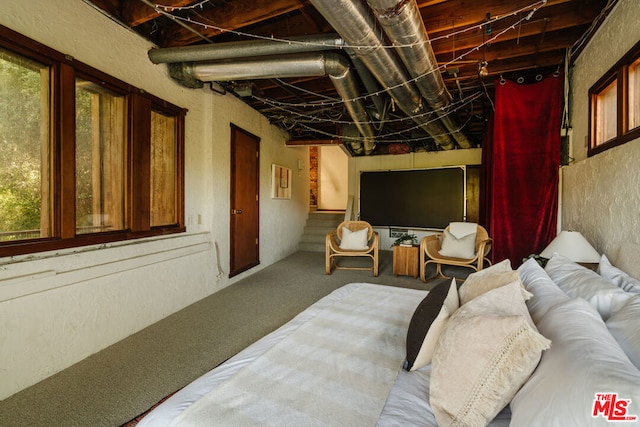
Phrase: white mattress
[406,405]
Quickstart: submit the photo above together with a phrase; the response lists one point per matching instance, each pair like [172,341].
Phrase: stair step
[313,238]
[318,229]
[311,247]
[319,223]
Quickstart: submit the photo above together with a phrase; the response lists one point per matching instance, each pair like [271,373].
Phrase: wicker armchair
[333,249]
[430,254]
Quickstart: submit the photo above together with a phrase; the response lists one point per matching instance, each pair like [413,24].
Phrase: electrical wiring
[532,8]
[318,108]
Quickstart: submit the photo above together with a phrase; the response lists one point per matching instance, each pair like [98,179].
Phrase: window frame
[619,73]
[139,104]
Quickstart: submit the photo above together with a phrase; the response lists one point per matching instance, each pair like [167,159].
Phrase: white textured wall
[58,308]
[332,178]
[601,194]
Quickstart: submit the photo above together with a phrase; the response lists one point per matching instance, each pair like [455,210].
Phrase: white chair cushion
[464,247]
[461,229]
[354,240]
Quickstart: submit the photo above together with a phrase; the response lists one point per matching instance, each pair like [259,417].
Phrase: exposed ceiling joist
[515,38]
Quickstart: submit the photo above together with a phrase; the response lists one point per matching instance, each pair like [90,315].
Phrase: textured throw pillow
[484,280]
[580,282]
[617,276]
[464,247]
[488,349]
[545,292]
[428,322]
[624,325]
[583,360]
[355,240]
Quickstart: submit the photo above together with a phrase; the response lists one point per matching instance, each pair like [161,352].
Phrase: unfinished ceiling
[379,76]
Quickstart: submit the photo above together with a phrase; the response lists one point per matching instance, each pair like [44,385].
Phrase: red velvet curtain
[521,163]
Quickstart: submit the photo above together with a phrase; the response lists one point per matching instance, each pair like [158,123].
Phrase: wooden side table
[405,261]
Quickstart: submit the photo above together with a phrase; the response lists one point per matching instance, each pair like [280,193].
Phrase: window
[634,94]
[615,104]
[163,169]
[24,148]
[84,157]
[606,113]
[100,162]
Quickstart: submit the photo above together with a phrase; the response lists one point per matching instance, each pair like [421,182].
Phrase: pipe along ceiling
[413,82]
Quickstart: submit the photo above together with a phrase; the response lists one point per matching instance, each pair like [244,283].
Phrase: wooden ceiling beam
[548,19]
[512,66]
[507,49]
[111,7]
[453,15]
[232,16]
[136,12]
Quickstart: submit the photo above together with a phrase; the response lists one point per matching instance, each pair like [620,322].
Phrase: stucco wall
[332,178]
[601,194]
[58,308]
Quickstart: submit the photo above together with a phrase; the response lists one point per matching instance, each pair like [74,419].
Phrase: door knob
[236,211]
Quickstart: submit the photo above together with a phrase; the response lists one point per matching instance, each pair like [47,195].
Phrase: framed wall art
[280,182]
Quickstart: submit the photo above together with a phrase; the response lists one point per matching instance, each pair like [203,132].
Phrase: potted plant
[406,239]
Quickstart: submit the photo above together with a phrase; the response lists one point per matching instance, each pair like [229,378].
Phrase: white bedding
[407,403]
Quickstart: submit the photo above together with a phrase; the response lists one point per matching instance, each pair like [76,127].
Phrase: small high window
[634,94]
[615,105]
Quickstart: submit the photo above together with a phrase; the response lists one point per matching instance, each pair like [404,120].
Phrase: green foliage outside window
[23,127]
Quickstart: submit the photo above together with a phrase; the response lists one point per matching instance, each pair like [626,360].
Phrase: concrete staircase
[318,224]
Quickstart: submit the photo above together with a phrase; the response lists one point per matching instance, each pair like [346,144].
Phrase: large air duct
[294,65]
[353,21]
[404,27]
[245,49]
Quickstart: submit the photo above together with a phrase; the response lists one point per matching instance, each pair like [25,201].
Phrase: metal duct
[370,84]
[244,49]
[402,22]
[294,65]
[353,21]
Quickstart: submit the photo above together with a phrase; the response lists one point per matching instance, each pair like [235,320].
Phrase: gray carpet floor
[124,380]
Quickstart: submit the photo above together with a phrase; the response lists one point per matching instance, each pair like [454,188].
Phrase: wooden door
[245,179]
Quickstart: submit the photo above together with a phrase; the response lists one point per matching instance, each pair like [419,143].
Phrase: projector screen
[424,198]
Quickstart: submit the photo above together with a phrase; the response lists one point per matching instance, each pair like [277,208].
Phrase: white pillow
[490,278]
[355,240]
[628,259]
[580,282]
[487,351]
[428,322]
[583,360]
[545,292]
[617,276]
[624,325]
[461,229]
[464,247]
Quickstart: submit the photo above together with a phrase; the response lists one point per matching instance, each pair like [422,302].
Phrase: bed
[340,362]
